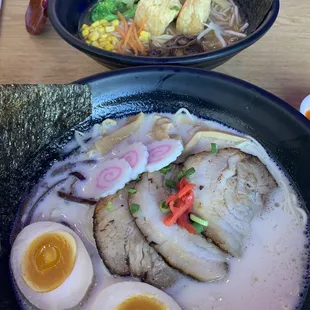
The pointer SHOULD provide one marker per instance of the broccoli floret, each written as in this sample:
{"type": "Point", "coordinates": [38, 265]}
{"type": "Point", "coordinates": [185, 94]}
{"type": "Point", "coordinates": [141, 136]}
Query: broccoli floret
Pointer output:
{"type": "Point", "coordinates": [131, 12]}
{"type": "Point", "coordinates": [108, 10]}
{"type": "Point", "coordinates": [127, 14]}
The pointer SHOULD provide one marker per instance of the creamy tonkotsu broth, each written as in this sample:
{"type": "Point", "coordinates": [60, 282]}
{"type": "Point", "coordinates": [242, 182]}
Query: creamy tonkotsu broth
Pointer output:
{"type": "Point", "coordinates": [263, 271]}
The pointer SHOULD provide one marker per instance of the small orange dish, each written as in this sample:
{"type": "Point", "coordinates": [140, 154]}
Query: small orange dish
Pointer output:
{"type": "Point", "coordinates": [305, 107]}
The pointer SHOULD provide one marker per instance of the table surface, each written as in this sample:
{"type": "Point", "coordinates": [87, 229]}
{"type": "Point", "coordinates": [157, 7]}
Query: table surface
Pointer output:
{"type": "Point", "coordinates": [279, 62]}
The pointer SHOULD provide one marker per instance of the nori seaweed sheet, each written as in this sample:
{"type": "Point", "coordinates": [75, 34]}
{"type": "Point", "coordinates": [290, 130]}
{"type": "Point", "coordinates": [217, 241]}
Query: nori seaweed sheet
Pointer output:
{"type": "Point", "coordinates": [33, 118]}
{"type": "Point", "coordinates": [254, 11]}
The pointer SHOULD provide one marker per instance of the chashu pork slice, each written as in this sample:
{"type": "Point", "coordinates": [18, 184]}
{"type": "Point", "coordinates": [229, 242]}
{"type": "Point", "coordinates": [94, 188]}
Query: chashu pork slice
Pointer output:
{"type": "Point", "coordinates": [191, 254]}
{"type": "Point", "coordinates": [230, 192]}
{"type": "Point", "coordinates": [123, 248]}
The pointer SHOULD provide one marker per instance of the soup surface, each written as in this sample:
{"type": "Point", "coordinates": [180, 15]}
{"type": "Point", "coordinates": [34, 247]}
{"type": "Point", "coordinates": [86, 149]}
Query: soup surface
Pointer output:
{"type": "Point", "coordinates": [258, 267]}
{"type": "Point", "coordinates": [162, 28]}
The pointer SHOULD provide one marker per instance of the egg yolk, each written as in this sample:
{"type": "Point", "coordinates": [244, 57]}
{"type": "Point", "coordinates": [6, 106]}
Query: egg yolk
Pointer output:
{"type": "Point", "coordinates": [142, 302]}
{"type": "Point", "coordinates": [48, 261]}
{"type": "Point", "coordinates": [307, 114]}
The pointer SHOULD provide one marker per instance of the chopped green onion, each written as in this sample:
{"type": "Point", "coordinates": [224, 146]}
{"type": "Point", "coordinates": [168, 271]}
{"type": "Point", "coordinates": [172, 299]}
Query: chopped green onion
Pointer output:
{"type": "Point", "coordinates": [109, 206]}
{"type": "Point", "coordinates": [134, 208]}
{"type": "Point", "coordinates": [198, 220]}
{"type": "Point", "coordinates": [198, 228]}
{"type": "Point", "coordinates": [139, 177]}
{"type": "Point", "coordinates": [132, 191]}
{"type": "Point", "coordinates": [189, 172]}
{"type": "Point", "coordinates": [180, 175]}
{"type": "Point", "coordinates": [176, 8]}
{"type": "Point", "coordinates": [170, 183]}
{"type": "Point", "coordinates": [186, 174]}
{"type": "Point", "coordinates": [166, 169]}
{"type": "Point", "coordinates": [214, 148]}
{"type": "Point", "coordinates": [164, 208]}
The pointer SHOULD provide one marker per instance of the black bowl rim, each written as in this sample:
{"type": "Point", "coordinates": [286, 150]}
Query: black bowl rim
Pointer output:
{"type": "Point", "coordinates": [210, 74]}
{"type": "Point", "coordinates": [222, 53]}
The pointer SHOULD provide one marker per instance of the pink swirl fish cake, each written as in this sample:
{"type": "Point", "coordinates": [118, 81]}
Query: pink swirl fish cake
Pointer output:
{"type": "Point", "coordinates": [162, 153]}
{"type": "Point", "coordinates": [105, 178]}
{"type": "Point", "coordinates": [136, 155]}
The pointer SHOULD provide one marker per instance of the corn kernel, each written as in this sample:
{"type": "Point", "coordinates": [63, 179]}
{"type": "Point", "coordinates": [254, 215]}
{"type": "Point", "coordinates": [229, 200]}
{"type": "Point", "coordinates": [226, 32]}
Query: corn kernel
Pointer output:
{"type": "Point", "coordinates": [109, 47]}
{"type": "Point", "coordinates": [91, 29]}
{"type": "Point", "coordinates": [103, 44]}
{"type": "Point", "coordinates": [144, 36]}
{"type": "Point", "coordinates": [103, 36]}
{"type": "Point", "coordinates": [101, 30]}
{"type": "Point", "coordinates": [103, 40]}
{"type": "Point", "coordinates": [115, 22]}
{"type": "Point", "coordinates": [114, 40]}
{"type": "Point", "coordinates": [104, 22]}
{"type": "Point", "coordinates": [144, 33]}
{"type": "Point", "coordinates": [95, 43]}
{"type": "Point", "coordinates": [84, 26]}
{"type": "Point", "coordinates": [95, 24]}
{"type": "Point", "coordinates": [110, 29]}
{"type": "Point", "coordinates": [88, 42]}
{"type": "Point", "coordinates": [85, 33]}
{"type": "Point", "coordinates": [111, 40]}
{"type": "Point", "coordinates": [93, 36]}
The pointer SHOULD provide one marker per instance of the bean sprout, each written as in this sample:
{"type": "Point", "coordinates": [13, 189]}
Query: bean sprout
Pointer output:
{"type": "Point", "coordinates": [244, 27]}
{"type": "Point", "coordinates": [234, 33]}
{"type": "Point", "coordinates": [183, 111]}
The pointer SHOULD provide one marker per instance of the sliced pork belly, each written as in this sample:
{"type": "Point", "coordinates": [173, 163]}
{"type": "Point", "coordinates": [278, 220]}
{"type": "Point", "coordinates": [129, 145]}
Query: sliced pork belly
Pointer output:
{"type": "Point", "coordinates": [230, 192]}
{"type": "Point", "coordinates": [122, 247]}
{"type": "Point", "coordinates": [189, 253]}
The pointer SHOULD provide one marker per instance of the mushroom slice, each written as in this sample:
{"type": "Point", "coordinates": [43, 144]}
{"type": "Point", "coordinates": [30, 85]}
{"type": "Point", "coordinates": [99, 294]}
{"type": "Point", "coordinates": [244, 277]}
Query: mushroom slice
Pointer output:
{"type": "Point", "coordinates": [161, 128]}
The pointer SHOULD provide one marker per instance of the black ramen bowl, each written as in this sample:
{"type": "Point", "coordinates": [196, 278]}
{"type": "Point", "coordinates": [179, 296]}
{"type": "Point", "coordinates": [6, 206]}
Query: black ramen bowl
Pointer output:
{"type": "Point", "coordinates": [65, 17]}
{"type": "Point", "coordinates": [283, 131]}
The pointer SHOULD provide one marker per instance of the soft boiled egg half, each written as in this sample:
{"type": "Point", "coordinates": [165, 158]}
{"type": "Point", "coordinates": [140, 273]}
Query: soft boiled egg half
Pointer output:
{"type": "Point", "coordinates": [133, 296]}
{"type": "Point", "coordinates": [51, 266]}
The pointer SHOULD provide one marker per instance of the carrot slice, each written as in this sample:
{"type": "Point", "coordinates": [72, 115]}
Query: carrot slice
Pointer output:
{"type": "Point", "coordinates": [128, 34]}
{"type": "Point", "coordinates": [141, 26]}
{"type": "Point", "coordinates": [120, 32]}
{"type": "Point", "coordinates": [136, 38]}
{"type": "Point", "coordinates": [122, 18]}
{"type": "Point", "coordinates": [119, 46]}
{"type": "Point", "coordinates": [133, 46]}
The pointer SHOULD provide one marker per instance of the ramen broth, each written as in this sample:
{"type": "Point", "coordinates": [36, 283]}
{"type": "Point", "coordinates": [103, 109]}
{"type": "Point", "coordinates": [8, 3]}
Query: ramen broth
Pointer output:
{"type": "Point", "coordinates": [144, 33]}
{"type": "Point", "coordinates": [269, 275]}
